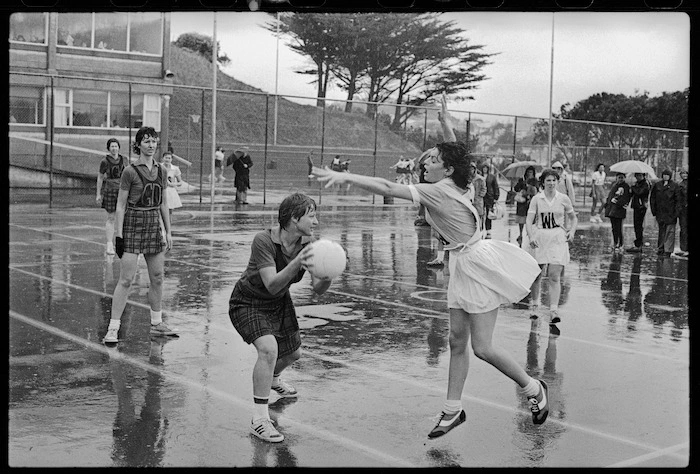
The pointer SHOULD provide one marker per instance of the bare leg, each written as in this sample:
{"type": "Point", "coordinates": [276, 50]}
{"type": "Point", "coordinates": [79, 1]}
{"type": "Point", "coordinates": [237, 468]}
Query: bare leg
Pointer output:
{"type": "Point", "coordinates": [127, 271]}
{"type": "Point", "coordinates": [481, 327]}
{"type": "Point", "coordinates": [155, 262]}
{"type": "Point", "coordinates": [284, 362]}
{"type": "Point", "coordinates": [459, 355]}
{"type": "Point", "coordinates": [535, 287]}
{"type": "Point", "coordinates": [109, 227]}
{"type": "Point", "coordinates": [555, 273]}
{"type": "Point", "coordinates": [265, 365]}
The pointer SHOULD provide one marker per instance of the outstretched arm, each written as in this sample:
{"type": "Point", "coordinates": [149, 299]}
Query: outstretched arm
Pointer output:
{"type": "Point", "coordinates": [444, 118]}
{"type": "Point", "coordinates": [370, 183]}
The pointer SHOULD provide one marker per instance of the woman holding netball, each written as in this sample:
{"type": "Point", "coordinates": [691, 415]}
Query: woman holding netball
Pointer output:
{"type": "Point", "coordinates": [483, 273]}
{"type": "Point", "coordinates": [141, 204]}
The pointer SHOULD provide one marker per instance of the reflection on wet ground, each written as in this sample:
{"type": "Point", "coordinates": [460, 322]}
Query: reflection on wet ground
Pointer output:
{"type": "Point", "coordinates": [374, 370]}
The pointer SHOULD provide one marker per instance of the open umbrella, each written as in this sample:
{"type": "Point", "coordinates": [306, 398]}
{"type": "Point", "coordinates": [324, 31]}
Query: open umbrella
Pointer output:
{"type": "Point", "coordinates": [633, 166]}
{"type": "Point", "coordinates": [517, 169]}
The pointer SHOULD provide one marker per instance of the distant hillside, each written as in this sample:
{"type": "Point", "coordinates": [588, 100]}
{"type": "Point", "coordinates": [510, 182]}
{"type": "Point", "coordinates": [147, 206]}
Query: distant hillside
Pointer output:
{"type": "Point", "coordinates": [241, 116]}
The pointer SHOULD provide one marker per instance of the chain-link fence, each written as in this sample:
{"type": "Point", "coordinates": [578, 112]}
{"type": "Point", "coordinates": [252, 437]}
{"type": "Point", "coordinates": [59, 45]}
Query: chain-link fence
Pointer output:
{"type": "Point", "coordinates": [281, 132]}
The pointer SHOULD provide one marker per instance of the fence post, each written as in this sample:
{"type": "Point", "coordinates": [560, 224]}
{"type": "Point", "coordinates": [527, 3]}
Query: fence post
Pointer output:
{"type": "Point", "coordinates": [585, 163]}
{"type": "Point", "coordinates": [469, 120]}
{"type": "Point", "coordinates": [267, 110]}
{"type": "Point", "coordinates": [376, 132]}
{"type": "Point", "coordinates": [201, 149]}
{"type": "Point", "coordinates": [515, 133]}
{"type": "Point", "coordinates": [51, 132]}
{"type": "Point", "coordinates": [130, 147]}
{"type": "Point", "coordinates": [425, 128]}
{"type": "Point", "coordinates": [323, 141]}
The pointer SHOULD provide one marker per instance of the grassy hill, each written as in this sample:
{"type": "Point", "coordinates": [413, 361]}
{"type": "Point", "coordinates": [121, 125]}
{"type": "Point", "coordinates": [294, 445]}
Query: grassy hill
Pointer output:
{"type": "Point", "coordinates": [241, 116]}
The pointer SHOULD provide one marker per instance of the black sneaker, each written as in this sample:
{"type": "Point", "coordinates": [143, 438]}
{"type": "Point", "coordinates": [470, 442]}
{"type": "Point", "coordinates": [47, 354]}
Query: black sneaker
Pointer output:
{"type": "Point", "coordinates": [634, 250]}
{"type": "Point", "coordinates": [540, 409]}
{"type": "Point", "coordinates": [441, 430]}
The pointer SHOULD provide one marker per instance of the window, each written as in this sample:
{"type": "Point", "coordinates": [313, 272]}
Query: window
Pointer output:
{"type": "Point", "coordinates": [145, 111]}
{"type": "Point", "coordinates": [140, 32]}
{"type": "Point", "coordinates": [62, 116]}
{"type": "Point", "coordinates": [27, 105]}
{"type": "Point", "coordinates": [28, 27]}
{"type": "Point", "coordinates": [90, 108]}
{"type": "Point", "coordinates": [119, 109]}
{"type": "Point", "coordinates": [145, 33]}
{"type": "Point", "coordinates": [111, 30]}
{"type": "Point", "coordinates": [75, 29]}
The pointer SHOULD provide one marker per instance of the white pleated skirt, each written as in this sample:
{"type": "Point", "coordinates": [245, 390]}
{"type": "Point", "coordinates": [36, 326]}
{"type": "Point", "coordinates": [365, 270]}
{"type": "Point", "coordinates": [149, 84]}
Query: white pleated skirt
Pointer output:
{"type": "Point", "coordinates": [489, 274]}
{"type": "Point", "coordinates": [173, 198]}
{"type": "Point", "coordinates": [552, 246]}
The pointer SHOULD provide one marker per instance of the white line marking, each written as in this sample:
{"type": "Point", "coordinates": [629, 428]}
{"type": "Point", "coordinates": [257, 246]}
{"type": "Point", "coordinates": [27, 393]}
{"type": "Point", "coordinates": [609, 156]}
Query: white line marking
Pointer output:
{"type": "Point", "coordinates": [670, 451]}
{"type": "Point", "coordinates": [314, 431]}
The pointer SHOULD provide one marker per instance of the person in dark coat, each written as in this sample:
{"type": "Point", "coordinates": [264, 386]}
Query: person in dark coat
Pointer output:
{"type": "Point", "coordinates": [615, 209]}
{"type": "Point", "coordinates": [241, 166]}
{"type": "Point", "coordinates": [663, 202]}
{"type": "Point", "coordinates": [640, 196]}
{"type": "Point", "coordinates": [683, 213]}
{"type": "Point", "coordinates": [492, 194]}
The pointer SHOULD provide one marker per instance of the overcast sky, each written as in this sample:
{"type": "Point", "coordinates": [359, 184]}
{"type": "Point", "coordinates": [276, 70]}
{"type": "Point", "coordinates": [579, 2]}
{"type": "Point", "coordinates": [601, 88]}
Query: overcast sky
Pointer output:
{"type": "Point", "coordinates": [623, 53]}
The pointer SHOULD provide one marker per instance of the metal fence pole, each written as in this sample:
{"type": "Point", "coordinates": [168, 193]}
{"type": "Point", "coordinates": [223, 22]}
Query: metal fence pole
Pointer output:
{"type": "Point", "coordinates": [425, 128]}
{"type": "Point", "coordinates": [267, 119]}
{"type": "Point", "coordinates": [376, 132]}
{"type": "Point", "coordinates": [469, 121]}
{"type": "Point", "coordinates": [130, 125]}
{"type": "Point", "coordinates": [323, 142]}
{"type": "Point", "coordinates": [201, 150]}
{"type": "Point", "coordinates": [585, 164]}
{"type": "Point", "coordinates": [515, 134]}
{"type": "Point", "coordinates": [51, 137]}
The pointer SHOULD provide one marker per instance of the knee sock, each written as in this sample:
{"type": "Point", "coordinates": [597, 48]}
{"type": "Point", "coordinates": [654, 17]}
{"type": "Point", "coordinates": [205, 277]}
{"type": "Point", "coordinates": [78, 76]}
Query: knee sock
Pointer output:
{"type": "Point", "coordinates": [261, 410]}
{"type": "Point", "coordinates": [156, 317]}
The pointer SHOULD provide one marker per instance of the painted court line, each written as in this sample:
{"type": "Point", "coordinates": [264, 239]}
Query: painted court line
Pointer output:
{"type": "Point", "coordinates": [671, 450]}
{"type": "Point", "coordinates": [360, 368]}
{"type": "Point", "coordinates": [314, 431]}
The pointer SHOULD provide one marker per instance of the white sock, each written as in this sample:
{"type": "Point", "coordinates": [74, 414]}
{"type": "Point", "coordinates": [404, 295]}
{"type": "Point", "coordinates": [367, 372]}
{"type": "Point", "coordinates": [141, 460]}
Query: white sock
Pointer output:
{"type": "Point", "coordinates": [156, 317]}
{"type": "Point", "coordinates": [275, 379]}
{"type": "Point", "coordinates": [532, 389]}
{"type": "Point", "coordinates": [440, 255]}
{"type": "Point", "coordinates": [554, 307]}
{"type": "Point", "coordinates": [452, 407]}
{"type": "Point", "coordinates": [114, 324]}
{"type": "Point", "coordinates": [261, 410]}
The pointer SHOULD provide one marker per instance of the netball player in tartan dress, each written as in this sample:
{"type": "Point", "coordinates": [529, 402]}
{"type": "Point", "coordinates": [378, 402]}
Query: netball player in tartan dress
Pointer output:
{"type": "Point", "coordinates": [483, 273]}
{"type": "Point", "coordinates": [261, 308]}
{"type": "Point", "coordinates": [141, 205]}
{"type": "Point", "coordinates": [108, 179]}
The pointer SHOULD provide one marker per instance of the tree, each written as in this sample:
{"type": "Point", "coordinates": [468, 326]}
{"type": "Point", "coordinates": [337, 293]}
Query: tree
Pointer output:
{"type": "Point", "coordinates": [203, 45]}
{"type": "Point", "coordinates": [386, 55]}
{"type": "Point", "coordinates": [669, 110]}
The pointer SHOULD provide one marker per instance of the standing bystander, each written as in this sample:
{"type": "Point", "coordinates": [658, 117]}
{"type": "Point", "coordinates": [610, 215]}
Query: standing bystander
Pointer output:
{"type": "Point", "coordinates": [663, 201]}
{"type": "Point", "coordinates": [640, 197]}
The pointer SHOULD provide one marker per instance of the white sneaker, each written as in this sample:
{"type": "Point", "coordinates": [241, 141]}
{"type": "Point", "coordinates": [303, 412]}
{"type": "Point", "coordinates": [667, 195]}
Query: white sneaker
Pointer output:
{"type": "Point", "coordinates": [110, 248]}
{"type": "Point", "coordinates": [263, 429]}
{"type": "Point", "coordinates": [284, 390]}
{"type": "Point", "coordinates": [111, 336]}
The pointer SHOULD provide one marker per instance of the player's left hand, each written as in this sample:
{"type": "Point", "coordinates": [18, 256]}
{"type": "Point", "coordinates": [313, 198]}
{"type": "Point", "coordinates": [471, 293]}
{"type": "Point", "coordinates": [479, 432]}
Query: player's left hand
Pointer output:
{"type": "Point", "coordinates": [570, 235]}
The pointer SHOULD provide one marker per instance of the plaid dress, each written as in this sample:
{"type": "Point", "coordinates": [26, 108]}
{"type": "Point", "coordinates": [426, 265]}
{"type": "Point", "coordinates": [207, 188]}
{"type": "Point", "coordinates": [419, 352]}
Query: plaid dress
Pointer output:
{"type": "Point", "coordinates": [141, 228]}
{"type": "Point", "coordinates": [110, 184]}
{"type": "Point", "coordinates": [254, 317]}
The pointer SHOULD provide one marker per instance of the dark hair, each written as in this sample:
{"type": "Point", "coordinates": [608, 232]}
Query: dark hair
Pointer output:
{"type": "Point", "coordinates": [548, 172]}
{"type": "Point", "coordinates": [141, 134]}
{"type": "Point", "coordinates": [294, 206]}
{"type": "Point", "coordinates": [530, 168]}
{"type": "Point", "coordinates": [599, 165]}
{"type": "Point", "coordinates": [667, 171]}
{"type": "Point", "coordinates": [113, 140]}
{"type": "Point", "coordinates": [620, 174]}
{"type": "Point", "coordinates": [455, 154]}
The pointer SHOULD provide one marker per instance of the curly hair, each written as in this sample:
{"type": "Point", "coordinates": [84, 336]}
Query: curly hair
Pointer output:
{"type": "Point", "coordinates": [144, 132]}
{"type": "Point", "coordinates": [455, 154]}
{"type": "Point", "coordinates": [294, 206]}
{"type": "Point", "coordinates": [548, 172]}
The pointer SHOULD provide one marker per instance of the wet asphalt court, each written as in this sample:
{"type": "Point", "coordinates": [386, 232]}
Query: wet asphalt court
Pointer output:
{"type": "Point", "coordinates": [373, 374]}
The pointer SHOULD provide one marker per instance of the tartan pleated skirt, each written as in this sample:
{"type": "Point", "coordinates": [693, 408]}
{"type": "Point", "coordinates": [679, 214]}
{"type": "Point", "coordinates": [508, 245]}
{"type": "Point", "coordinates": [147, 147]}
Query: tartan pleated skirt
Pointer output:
{"type": "Point", "coordinates": [109, 197]}
{"type": "Point", "coordinates": [254, 317]}
{"type": "Point", "coordinates": [141, 231]}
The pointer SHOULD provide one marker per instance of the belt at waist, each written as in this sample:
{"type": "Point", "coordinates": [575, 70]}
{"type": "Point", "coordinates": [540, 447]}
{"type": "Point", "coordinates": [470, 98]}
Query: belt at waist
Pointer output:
{"type": "Point", "coordinates": [133, 208]}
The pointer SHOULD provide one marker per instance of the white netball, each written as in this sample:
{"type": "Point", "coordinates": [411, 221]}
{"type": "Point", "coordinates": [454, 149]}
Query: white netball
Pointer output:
{"type": "Point", "coordinates": [328, 258]}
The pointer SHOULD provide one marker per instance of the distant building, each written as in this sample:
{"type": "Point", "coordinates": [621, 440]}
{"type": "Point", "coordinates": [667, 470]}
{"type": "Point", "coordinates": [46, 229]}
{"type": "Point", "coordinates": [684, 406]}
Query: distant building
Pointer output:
{"type": "Point", "coordinates": [109, 73]}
